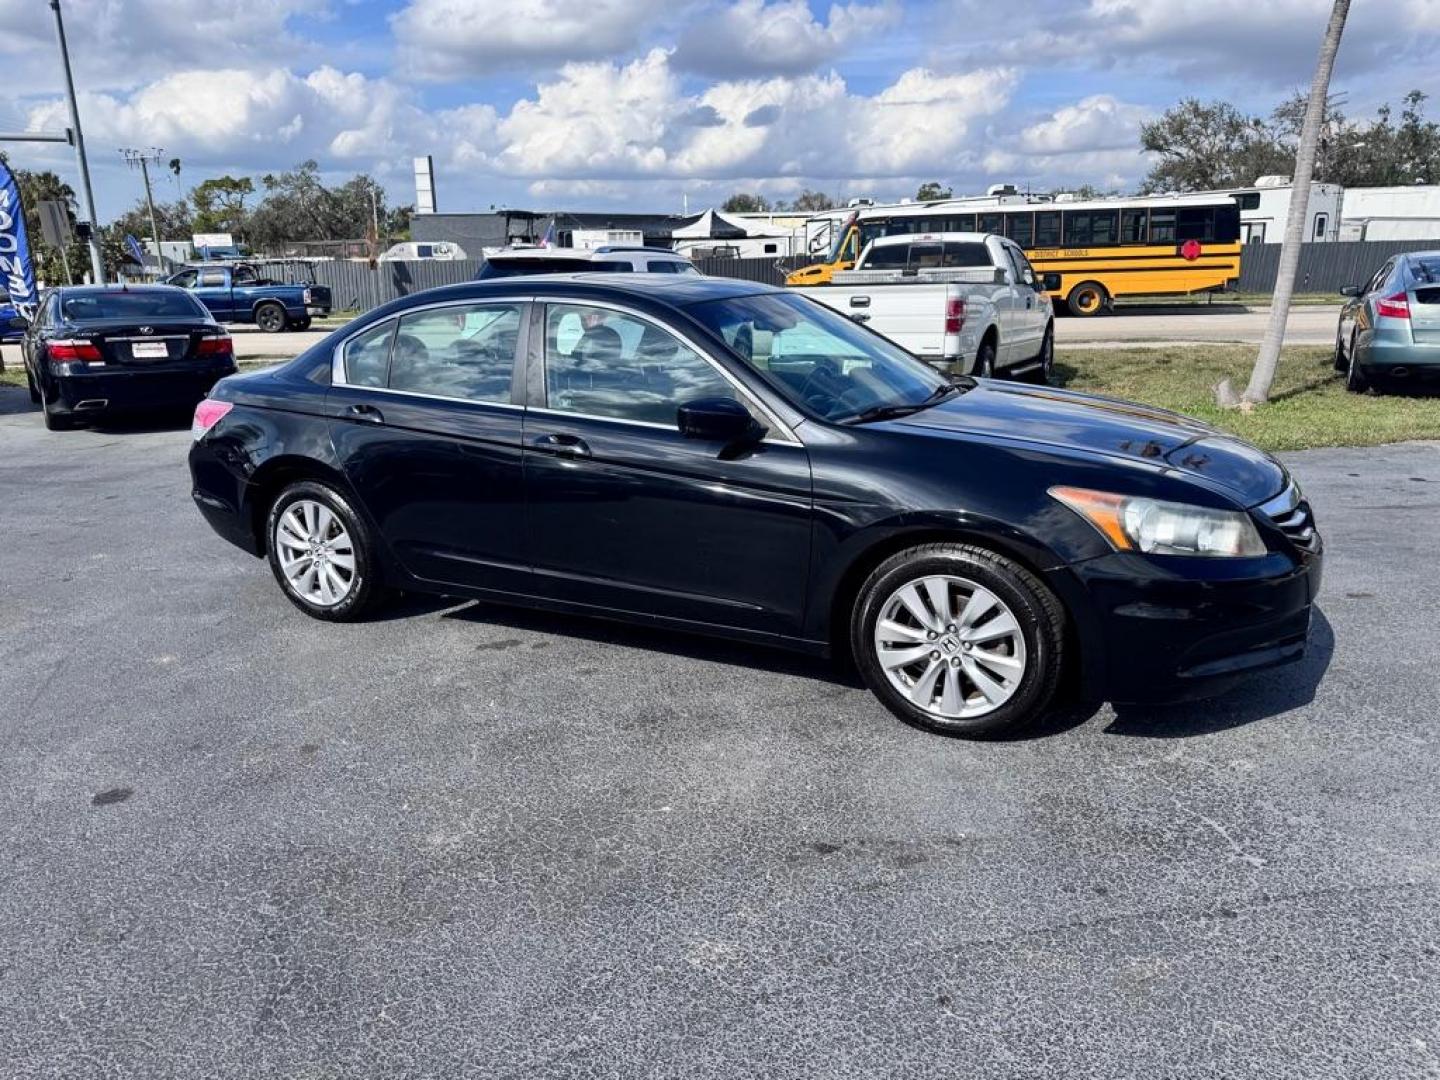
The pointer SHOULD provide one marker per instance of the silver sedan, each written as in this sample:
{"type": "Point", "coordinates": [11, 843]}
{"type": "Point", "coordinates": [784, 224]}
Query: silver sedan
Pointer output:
{"type": "Point", "coordinates": [1389, 333]}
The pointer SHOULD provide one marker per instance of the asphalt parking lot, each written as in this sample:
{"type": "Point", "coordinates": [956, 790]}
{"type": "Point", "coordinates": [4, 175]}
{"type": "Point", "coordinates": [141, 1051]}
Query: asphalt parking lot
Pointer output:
{"type": "Point", "coordinates": [466, 841]}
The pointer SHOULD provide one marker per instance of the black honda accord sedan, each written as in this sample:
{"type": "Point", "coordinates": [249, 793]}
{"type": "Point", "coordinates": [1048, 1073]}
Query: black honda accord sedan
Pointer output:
{"type": "Point", "coordinates": [732, 459]}
{"type": "Point", "coordinates": [94, 351]}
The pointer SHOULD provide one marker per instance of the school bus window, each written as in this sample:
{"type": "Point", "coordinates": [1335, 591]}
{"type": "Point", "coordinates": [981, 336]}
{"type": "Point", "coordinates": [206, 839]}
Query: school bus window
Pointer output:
{"type": "Point", "coordinates": [1132, 226]}
{"type": "Point", "coordinates": [1020, 228]}
{"type": "Point", "coordinates": [992, 223]}
{"type": "Point", "coordinates": [1227, 224]}
{"type": "Point", "coordinates": [1047, 228]}
{"type": "Point", "coordinates": [1162, 226]}
{"type": "Point", "coordinates": [1196, 223]}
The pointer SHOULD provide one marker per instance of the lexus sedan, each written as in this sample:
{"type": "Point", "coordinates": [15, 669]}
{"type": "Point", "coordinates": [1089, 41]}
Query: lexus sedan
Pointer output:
{"type": "Point", "coordinates": [1389, 332]}
{"type": "Point", "coordinates": [95, 351]}
{"type": "Point", "coordinates": [727, 458]}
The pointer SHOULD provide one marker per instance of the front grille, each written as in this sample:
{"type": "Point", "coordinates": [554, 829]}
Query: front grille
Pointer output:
{"type": "Point", "coordinates": [1290, 513]}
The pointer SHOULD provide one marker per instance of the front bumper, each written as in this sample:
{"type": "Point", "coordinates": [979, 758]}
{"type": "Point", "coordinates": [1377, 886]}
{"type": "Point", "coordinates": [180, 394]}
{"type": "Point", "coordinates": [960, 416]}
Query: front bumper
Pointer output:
{"type": "Point", "coordinates": [135, 391]}
{"type": "Point", "coordinates": [1172, 628]}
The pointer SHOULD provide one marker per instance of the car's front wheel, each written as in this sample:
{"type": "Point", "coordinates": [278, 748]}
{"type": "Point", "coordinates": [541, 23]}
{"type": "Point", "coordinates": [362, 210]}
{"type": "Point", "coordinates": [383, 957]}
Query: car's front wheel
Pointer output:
{"type": "Point", "coordinates": [321, 553]}
{"type": "Point", "coordinates": [958, 639]}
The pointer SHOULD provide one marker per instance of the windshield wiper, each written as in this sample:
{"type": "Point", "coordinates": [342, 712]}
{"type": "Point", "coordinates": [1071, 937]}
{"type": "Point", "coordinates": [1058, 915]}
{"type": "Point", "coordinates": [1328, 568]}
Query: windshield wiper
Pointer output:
{"type": "Point", "coordinates": [891, 412]}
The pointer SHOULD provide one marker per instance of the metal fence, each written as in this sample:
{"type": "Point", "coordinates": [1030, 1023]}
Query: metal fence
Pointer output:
{"type": "Point", "coordinates": [1324, 268]}
{"type": "Point", "coordinates": [356, 286]}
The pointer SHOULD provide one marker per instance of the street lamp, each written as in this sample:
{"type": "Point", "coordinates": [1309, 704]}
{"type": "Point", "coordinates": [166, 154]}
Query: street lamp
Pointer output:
{"type": "Point", "coordinates": [97, 265]}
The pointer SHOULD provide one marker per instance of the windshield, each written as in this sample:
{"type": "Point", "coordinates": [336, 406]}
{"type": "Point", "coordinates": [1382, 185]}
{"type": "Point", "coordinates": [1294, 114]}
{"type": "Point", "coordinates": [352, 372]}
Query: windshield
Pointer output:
{"type": "Point", "coordinates": [131, 305]}
{"type": "Point", "coordinates": [817, 358]}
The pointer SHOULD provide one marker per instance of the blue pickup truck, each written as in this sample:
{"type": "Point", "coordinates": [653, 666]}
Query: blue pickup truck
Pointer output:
{"type": "Point", "coordinates": [8, 333]}
{"type": "Point", "coordinates": [237, 293]}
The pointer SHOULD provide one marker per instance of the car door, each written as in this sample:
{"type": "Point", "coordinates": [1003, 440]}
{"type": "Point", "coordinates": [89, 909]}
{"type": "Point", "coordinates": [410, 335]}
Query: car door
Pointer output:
{"type": "Point", "coordinates": [212, 288]}
{"type": "Point", "coordinates": [1030, 311]}
{"type": "Point", "coordinates": [426, 426]}
{"type": "Point", "coordinates": [1008, 314]}
{"type": "Point", "coordinates": [626, 514]}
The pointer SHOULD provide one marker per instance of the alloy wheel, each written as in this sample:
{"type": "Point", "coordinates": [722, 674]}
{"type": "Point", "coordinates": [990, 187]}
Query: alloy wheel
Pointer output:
{"type": "Point", "coordinates": [952, 647]}
{"type": "Point", "coordinates": [316, 553]}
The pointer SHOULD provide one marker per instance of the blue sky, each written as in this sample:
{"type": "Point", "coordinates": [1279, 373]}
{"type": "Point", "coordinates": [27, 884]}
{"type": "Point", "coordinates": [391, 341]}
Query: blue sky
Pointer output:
{"type": "Point", "coordinates": [644, 104]}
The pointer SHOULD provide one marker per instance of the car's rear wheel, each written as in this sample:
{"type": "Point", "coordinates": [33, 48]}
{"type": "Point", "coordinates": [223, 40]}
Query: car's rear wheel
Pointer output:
{"type": "Point", "coordinates": [271, 318]}
{"type": "Point", "coordinates": [54, 420]}
{"type": "Point", "coordinates": [30, 384]}
{"type": "Point", "coordinates": [1088, 298]}
{"type": "Point", "coordinates": [321, 553]}
{"type": "Point", "coordinates": [958, 639]}
{"type": "Point", "coordinates": [301, 324]}
{"type": "Point", "coordinates": [1355, 379]}
{"type": "Point", "coordinates": [985, 360]}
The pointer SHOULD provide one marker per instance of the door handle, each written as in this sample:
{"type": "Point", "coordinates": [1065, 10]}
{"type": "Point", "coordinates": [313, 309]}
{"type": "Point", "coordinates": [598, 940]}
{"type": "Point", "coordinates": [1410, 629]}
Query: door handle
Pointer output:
{"type": "Point", "coordinates": [565, 445]}
{"type": "Point", "coordinates": [859, 316]}
{"type": "Point", "coordinates": [859, 301]}
{"type": "Point", "coordinates": [368, 413]}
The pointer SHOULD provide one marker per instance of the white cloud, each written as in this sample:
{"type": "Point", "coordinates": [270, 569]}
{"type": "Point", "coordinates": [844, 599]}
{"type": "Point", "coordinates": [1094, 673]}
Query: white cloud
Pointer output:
{"type": "Point", "coordinates": [775, 37]}
{"type": "Point", "coordinates": [124, 43]}
{"type": "Point", "coordinates": [1094, 141]}
{"type": "Point", "coordinates": [457, 39]}
{"type": "Point", "coordinates": [1098, 122]}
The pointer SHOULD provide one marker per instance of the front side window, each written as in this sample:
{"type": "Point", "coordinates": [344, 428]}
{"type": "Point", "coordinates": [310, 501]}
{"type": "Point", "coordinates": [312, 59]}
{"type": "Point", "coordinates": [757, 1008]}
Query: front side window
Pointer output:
{"type": "Point", "coordinates": [185, 279]}
{"type": "Point", "coordinates": [367, 355]}
{"type": "Point", "coordinates": [817, 358]}
{"type": "Point", "coordinates": [463, 351]}
{"type": "Point", "coordinates": [600, 362]}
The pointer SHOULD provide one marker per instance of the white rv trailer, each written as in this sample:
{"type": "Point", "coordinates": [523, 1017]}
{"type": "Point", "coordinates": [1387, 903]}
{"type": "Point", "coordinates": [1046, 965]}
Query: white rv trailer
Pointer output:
{"type": "Point", "coordinates": [1391, 213]}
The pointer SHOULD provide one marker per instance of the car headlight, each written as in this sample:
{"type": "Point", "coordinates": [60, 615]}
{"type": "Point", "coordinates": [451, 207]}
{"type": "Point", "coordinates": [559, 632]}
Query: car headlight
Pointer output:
{"type": "Point", "coordinates": [1155, 527]}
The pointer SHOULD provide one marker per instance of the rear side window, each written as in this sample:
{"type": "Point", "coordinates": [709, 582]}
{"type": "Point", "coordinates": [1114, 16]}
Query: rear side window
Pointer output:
{"type": "Point", "coordinates": [212, 278]}
{"type": "Point", "coordinates": [367, 355]}
{"type": "Point", "coordinates": [499, 268]}
{"type": "Point", "coordinates": [666, 266]}
{"type": "Point", "coordinates": [463, 351]}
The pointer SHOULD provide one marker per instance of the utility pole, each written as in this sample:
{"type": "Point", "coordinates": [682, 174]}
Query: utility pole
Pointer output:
{"type": "Point", "coordinates": [143, 158]}
{"type": "Point", "coordinates": [97, 265]}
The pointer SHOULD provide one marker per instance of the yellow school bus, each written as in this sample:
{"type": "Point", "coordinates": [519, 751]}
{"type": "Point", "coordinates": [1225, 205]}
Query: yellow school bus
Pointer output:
{"type": "Point", "coordinates": [1101, 249]}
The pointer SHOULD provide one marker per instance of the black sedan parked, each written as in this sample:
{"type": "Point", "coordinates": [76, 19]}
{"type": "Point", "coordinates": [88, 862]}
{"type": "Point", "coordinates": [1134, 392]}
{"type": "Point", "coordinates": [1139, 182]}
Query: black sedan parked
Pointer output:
{"type": "Point", "coordinates": [93, 351]}
{"type": "Point", "coordinates": [722, 457]}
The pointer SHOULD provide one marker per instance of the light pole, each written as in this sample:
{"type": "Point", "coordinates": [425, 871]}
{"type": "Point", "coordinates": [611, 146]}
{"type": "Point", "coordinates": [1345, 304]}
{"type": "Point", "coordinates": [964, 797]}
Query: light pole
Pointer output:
{"type": "Point", "coordinates": [97, 265]}
{"type": "Point", "coordinates": [143, 158]}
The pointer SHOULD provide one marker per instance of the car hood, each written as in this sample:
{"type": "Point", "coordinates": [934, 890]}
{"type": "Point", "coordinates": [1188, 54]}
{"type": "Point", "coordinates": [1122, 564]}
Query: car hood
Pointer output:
{"type": "Point", "coordinates": [1108, 426]}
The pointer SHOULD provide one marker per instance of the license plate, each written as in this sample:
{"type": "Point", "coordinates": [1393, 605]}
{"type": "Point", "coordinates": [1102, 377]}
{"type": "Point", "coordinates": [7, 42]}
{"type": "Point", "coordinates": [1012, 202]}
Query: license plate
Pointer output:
{"type": "Point", "coordinates": [149, 350]}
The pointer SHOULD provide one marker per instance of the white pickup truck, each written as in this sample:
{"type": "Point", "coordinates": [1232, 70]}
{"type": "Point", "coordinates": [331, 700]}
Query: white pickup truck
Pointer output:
{"type": "Point", "coordinates": [968, 303]}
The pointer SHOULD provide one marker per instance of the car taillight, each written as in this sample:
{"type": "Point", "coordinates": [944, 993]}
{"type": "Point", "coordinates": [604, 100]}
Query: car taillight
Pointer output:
{"type": "Point", "coordinates": [207, 414]}
{"type": "Point", "coordinates": [1394, 307]}
{"type": "Point", "coordinates": [954, 315]}
{"type": "Point", "coordinates": [216, 345]}
{"type": "Point", "coordinates": [307, 296]}
{"type": "Point", "coordinates": [73, 349]}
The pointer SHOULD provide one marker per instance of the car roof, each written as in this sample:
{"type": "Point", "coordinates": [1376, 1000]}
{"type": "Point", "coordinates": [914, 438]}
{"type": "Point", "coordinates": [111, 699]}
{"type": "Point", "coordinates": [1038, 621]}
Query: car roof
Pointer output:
{"type": "Point", "coordinates": [675, 290]}
{"type": "Point", "coordinates": [100, 290]}
{"type": "Point", "coordinates": [541, 254]}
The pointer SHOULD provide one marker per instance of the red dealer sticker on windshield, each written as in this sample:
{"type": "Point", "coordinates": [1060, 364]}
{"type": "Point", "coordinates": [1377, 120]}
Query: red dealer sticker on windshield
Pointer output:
{"type": "Point", "coordinates": [1190, 250]}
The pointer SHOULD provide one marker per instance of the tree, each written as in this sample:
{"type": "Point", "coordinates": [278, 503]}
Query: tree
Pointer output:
{"type": "Point", "coordinates": [743, 202]}
{"type": "Point", "coordinates": [220, 204]}
{"type": "Point", "coordinates": [931, 191]}
{"type": "Point", "coordinates": [1258, 392]}
{"type": "Point", "coordinates": [172, 219]}
{"type": "Point", "coordinates": [46, 186]}
{"type": "Point", "coordinates": [1204, 146]}
{"type": "Point", "coordinates": [812, 202]}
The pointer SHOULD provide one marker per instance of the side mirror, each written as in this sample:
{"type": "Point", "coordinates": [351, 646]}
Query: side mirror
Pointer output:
{"type": "Point", "coordinates": [1350, 290]}
{"type": "Point", "coordinates": [716, 419]}
{"type": "Point", "coordinates": [1050, 282]}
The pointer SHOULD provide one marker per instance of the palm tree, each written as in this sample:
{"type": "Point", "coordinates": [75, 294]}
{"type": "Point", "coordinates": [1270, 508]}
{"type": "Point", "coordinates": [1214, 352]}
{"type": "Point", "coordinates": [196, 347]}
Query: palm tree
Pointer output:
{"type": "Point", "coordinates": [1258, 391]}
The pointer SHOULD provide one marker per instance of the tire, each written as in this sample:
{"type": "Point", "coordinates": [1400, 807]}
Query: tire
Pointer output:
{"type": "Point", "coordinates": [54, 421]}
{"type": "Point", "coordinates": [300, 325]}
{"type": "Point", "coordinates": [984, 366]}
{"type": "Point", "coordinates": [270, 317]}
{"type": "Point", "coordinates": [949, 675]}
{"type": "Point", "coordinates": [1045, 373]}
{"type": "Point", "coordinates": [1355, 380]}
{"type": "Point", "coordinates": [1087, 299]}
{"type": "Point", "coordinates": [30, 385]}
{"type": "Point", "coordinates": [1340, 362]}
{"type": "Point", "coordinates": [298, 516]}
